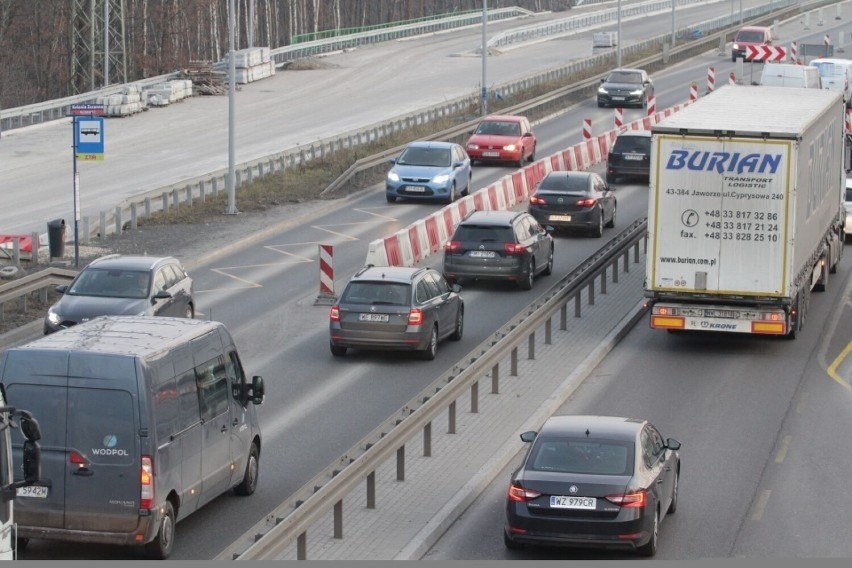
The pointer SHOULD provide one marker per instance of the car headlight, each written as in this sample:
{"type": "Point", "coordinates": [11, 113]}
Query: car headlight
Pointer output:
{"type": "Point", "coordinates": [601, 91]}
{"type": "Point", "coordinates": [393, 176]}
{"type": "Point", "coordinates": [510, 148]}
{"type": "Point", "coordinates": [473, 146]}
{"type": "Point", "coordinates": [441, 178]}
{"type": "Point", "coordinates": [735, 46]}
{"type": "Point", "coordinates": [53, 317]}
{"type": "Point", "coordinates": [636, 92]}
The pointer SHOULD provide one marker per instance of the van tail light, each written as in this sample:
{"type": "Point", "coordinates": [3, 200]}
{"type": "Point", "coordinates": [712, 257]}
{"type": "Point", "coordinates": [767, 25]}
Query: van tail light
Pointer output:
{"type": "Point", "coordinates": [634, 499]}
{"type": "Point", "coordinates": [334, 314]}
{"type": "Point", "coordinates": [536, 200]}
{"type": "Point", "coordinates": [77, 458]}
{"type": "Point", "coordinates": [518, 494]}
{"type": "Point", "coordinates": [514, 249]}
{"type": "Point", "coordinates": [453, 247]}
{"type": "Point", "coordinates": [587, 202]}
{"type": "Point", "coordinates": [146, 478]}
{"type": "Point", "coordinates": [415, 317]}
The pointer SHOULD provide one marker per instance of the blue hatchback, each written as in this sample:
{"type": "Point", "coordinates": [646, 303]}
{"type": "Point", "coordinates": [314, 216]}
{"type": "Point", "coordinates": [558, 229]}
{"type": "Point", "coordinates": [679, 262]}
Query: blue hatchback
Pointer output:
{"type": "Point", "coordinates": [429, 170]}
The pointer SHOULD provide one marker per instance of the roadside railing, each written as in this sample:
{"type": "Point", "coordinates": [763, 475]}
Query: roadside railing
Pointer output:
{"type": "Point", "coordinates": [20, 288]}
{"type": "Point", "coordinates": [392, 439]}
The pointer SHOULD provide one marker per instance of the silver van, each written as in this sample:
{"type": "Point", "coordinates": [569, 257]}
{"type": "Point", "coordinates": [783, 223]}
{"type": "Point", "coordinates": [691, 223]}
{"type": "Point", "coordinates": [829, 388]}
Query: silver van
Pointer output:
{"type": "Point", "coordinates": [144, 420]}
{"type": "Point", "coordinates": [790, 75]}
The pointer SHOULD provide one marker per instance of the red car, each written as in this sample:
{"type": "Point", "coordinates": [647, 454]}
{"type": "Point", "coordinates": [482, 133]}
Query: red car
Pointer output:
{"type": "Point", "coordinates": [502, 138]}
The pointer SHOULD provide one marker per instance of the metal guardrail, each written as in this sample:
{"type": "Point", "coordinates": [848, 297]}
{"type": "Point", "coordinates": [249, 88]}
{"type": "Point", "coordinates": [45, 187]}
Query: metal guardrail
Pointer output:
{"type": "Point", "coordinates": [326, 491]}
{"type": "Point", "coordinates": [19, 288]}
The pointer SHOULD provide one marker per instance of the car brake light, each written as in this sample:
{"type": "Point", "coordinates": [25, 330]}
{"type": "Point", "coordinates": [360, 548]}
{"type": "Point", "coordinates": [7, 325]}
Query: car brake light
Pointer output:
{"type": "Point", "coordinates": [634, 499]}
{"type": "Point", "coordinates": [587, 202]}
{"type": "Point", "coordinates": [415, 317]}
{"type": "Point", "coordinates": [536, 200]}
{"type": "Point", "coordinates": [514, 249]}
{"type": "Point", "coordinates": [146, 478]}
{"type": "Point", "coordinates": [453, 247]}
{"type": "Point", "coordinates": [334, 314]}
{"type": "Point", "coordinates": [520, 495]}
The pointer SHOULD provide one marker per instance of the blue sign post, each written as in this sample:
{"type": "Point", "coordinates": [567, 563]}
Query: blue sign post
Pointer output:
{"type": "Point", "coordinates": [88, 146]}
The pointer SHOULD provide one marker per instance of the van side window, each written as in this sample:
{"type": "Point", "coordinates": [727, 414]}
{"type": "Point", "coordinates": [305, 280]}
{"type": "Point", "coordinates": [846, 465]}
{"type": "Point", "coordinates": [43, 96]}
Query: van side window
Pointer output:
{"type": "Point", "coordinates": [235, 373]}
{"type": "Point", "coordinates": [212, 388]}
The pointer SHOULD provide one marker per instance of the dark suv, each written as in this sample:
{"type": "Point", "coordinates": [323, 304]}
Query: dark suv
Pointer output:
{"type": "Point", "coordinates": [116, 285]}
{"type": "Point", "coordinates": [397, 308]}
{"type": "Point", "coordinates": [499, 245]}
{"type": "Point", "coordinates": [630, 155]}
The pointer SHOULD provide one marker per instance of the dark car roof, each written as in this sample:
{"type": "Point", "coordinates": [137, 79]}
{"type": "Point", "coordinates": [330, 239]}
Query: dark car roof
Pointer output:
{"type": "Point", "coordinates": [402, 274]}
{"type": "Point", "coordinates": [566, 182]}
{"type": "Point", "coordinates": [129, 262]}
{"type": "Point", "coordinates": [497, 218]}
{"type": "Point", "coordinates": [610, 427]}
{"type": "Point", "coordinates": [642, 133]}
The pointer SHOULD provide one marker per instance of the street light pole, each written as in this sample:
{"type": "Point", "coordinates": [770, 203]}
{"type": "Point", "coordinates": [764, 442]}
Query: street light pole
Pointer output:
{"type": "Point", "coordinates": [232, 79]}
{"type": "Point", "coordinates": [484, 95]}
{"type": "Point", "coordinates": [618, 36]}
{"type": "Point", "coordinates": [673, 22]}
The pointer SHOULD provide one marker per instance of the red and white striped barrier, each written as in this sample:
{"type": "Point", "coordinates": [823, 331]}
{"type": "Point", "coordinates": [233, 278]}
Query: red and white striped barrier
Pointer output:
{"type": "Point", "coordinates": [732, 79]}
{"type": "Point", "coordinates": [794, 52]}
{"type": "Point", "coordinates": [619, 117]}
{"type": "Point", "coordinates": [693, 92]}
{"type": "Point", "coordinates": [711, 78]}
{"type": "Point", "coordinates": [652, 105]}
{"type": "Point", "coordinates": [326, 274]}
{"type": "Point", "coordinates": [587, 129]}
{"type": "Point", "coordinates": [422, 238]}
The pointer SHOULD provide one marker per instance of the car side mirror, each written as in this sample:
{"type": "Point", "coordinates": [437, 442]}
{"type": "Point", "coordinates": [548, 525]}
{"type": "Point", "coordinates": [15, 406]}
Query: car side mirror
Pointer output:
{"type": "Point", "coordinates": [392, 160]}
{"type": "Point", "coordinates": [257, 390]}
{"type": "Point", "coordinates": [549, 229]}
{"type": "Point", "coordinates": [603, 80]}
{"type": "Point", "coordinates": [528, 436]}
{"type": "Point", "coordinates": [162, 295]}
{"type": "Point", "coordinates": [457, 164]}
{"type": "Point", "coordinates": [455, 288]}
{"type": "Point", "coordinates": [32, 462]}
{"type": "Point", "coordinates": [62, 288]}
{"type": "Point", "coordinates": [672, 444]}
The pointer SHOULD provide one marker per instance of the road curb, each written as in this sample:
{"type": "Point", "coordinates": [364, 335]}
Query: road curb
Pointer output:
{"type": "Point", "coordinates": [447, 515]}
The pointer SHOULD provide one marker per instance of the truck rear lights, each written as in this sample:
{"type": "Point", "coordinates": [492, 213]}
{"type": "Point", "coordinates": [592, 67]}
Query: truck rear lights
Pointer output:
{"type": "Point", "coordinates": [667, 322]}
{"type": "Point", "coordinates": [146, 478]}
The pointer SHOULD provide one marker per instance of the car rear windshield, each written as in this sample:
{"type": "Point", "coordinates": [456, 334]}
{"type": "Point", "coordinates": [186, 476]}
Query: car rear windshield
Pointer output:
{"type": "Point", "coordinates": [598, 457]}
{"type": "Point", "coordinates": [436, 157]}
{"type": "Point", "coordinates": [638, 144]}
{"type": "Point", "coordinates": [829, 69]}
{"type": "Point", "coordinates": [499, 128]}
{"type": "Point", "coordinates": [378, 293]}
{"type": "Point", "coordinates": [750, 36]}
{"type": "Point", "coordinates": [565, 184]}
{"type": "Point", "coordinates": [111, 283]}
{"type": "Point", "coordinates": [624, 77]}
{"type": "Point", "coordinates": [484, 234]}
{"type": "Point", "coordinates": [849, 194]}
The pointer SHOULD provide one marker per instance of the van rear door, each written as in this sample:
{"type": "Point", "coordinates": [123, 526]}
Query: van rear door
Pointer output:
{"type": "Point", "coordinates": [102, 484]}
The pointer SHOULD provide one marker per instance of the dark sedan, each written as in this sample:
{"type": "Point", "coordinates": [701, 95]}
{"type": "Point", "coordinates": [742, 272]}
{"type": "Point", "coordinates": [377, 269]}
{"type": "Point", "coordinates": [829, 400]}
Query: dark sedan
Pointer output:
{"type": "Point", "coordinates": [629, 156]}
{"type": "Point", "coordinates": [625, 87]}
{"type": "Point", "coordinates": [593, 481]}
{"type": "Point", "coordinates": [574, 200]}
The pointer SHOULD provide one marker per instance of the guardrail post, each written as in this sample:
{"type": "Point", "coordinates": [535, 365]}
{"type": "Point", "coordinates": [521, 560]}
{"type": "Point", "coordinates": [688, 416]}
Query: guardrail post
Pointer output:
{"type": "Point", "coordinates": [165, 202]}
{"type": "Point", "coordinates": [547, 333]}
{"type": "Point", "coordinates": [400, 463]}
{"type": "Point", "coordinates": [302, 546]}
{"type": "Point", "coordinates": [495, 379]}
{"type": "Point", "coordinates": [103, 224]}
{"type": "Point", "coordinates": [189, 195]}
{"type": "Point", "coordinates": [202, 192]}
{"type": "Point", "coordinates": [513, 371]}
{"type": "Point", "coordinates": [215, 186]}
{"type": "Point", "coordinates": [626, 262]}
{"type": "Point", "coordinates": [603, 280]}
{"type": "Point", "coordinates": [451, 418]}
{"type": "Point", "coordinates": [577, 305]}
{"type": "Point", "coordinates": [615, 271]}
{"type": "Point", "coordinates": [531, 346]}
{"type": "Point", "coordinates": [175, 199]}
{"type": "Point", "coordinates": [338, 519]}
{"type": "Point", "coordinates": [371, 490]}
{"type": "Point", "coordinates": [35, 244]}
{"type": "Point", "coordinates": [592, 292]}
{"type": "Point", "coordinates": [132, 216]}
{"type": "Point", "coordinates": [118, 220]}
{"type": "Point", "coordinates": [563, 316]}
{"type": "Point", "coordinates": [474, 397]}
{"type": "Point", "coordinates": [636, 251]}
{"type": "Point", "coordinates": [427, 440]}
{"type": "Point", "coordinates": [147, 207]}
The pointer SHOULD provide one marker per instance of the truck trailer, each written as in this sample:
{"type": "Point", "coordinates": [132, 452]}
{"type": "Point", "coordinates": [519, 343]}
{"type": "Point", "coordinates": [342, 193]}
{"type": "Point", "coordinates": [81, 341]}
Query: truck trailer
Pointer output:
{"type": "Point", "coordinates": [745, 212]}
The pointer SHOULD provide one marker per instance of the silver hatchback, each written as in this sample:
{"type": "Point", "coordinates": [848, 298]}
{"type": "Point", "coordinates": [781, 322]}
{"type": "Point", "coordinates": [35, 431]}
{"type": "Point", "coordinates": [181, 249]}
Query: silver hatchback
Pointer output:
{"type": "Point", "coordinates": [396, 308]}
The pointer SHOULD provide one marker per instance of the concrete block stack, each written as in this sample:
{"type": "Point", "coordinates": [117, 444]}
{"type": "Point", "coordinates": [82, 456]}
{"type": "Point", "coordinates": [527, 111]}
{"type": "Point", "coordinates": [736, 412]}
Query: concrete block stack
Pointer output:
{"type": "Point", "coordinates": [128, 102]}
{"type": "Point", "coordinates": [164, 94]}
{"type": "Point", "coordinates": [251, 64]}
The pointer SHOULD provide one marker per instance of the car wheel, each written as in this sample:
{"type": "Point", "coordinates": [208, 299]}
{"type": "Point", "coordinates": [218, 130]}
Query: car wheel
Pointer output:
{"type": "Point", "coordinates": [673, 505]}
{"type": "Point", "coordinates": [532, 155]}
{"type": "Point", "coordinates": [600, 104]}
{"type": "Point", "coordinates": [520, 162]}
{"type": "Point", "coordinates": [597, 232]}
{"type": "Point", "coordinates": [21, 544]}
{"type": "Point", "coordinates": [548, 270]}
{"type": "Point", "coordinates": [249, 482]}
{"type": "Point", "coordinates": [161, 547]}
{"type": "Point", "coordinates": [612, 219]}
{"type": "Point", "coordinates": [452, 196]}
{"type": "Point", "coordinates": [527, 283]}
{"type": "Point", "coordinates": [511, 544]}
{"type": "Point", "coordinates": [650, 549]}
{"type": "Point", "coordinates": [432, 347]}
{"type": "Point", "coordinates": [467, 187]}
{"type": "Point", "coordinates": [189, 313]}
{"type": "Point", "coordinates": [457, 334]}
{"type": "Point", "coordinates": [337, 350]}
{"type": "Point", "coordinates": [611, 177]}
{"type": "Point", "coordinates": [390, 198]}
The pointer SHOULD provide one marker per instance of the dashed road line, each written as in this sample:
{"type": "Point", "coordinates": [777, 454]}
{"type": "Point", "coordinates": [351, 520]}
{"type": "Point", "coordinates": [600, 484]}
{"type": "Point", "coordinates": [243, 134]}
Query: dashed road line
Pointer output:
{"type": "Point", "coordinates": [782, 450]}
{"type": "Point", "coordinates": [760, 506]}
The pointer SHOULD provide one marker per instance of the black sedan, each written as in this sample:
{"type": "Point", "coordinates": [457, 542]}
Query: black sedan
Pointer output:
{"type": "Point", "coordinates": [625, 87]}
{"type": "Point", "coordinates": [574, 200]}
{"type": "Point", "coordinates": [593, 481]}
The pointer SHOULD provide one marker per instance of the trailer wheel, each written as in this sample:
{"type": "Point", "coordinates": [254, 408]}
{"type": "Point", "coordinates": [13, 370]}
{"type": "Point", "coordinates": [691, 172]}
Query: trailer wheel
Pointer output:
{"type": "Point", "coordinates": [822, 283]}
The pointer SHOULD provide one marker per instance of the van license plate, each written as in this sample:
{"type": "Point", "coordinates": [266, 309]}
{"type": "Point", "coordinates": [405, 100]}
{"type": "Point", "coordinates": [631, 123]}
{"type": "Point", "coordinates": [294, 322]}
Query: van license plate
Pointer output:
{"type": "Point", "coordinates": [39, 491]}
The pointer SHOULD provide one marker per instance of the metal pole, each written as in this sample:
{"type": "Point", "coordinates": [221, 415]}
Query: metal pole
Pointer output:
{"type": "Point", "coordinates": [484, 106]}
{"type": "Point", "coordinates": [618, 34]}
{"type": "Point", "coordinates": [250, 25]}
{"type": "Point", "coordinates": [673, 22]}
{"type": "Point", "coordinates": [74, 195]}
{"type": "Point", "coordinates": [741, 12]}
{"type": "Point", "coordinates": [106, 43]}
{"type": "Point", "coordinates": [232, 79]}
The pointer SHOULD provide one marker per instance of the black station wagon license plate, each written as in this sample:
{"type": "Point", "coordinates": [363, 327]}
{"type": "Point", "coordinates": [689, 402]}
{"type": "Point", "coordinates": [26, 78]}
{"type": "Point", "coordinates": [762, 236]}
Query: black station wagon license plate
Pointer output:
{"type": "Point", "coordinates": [381, 318]}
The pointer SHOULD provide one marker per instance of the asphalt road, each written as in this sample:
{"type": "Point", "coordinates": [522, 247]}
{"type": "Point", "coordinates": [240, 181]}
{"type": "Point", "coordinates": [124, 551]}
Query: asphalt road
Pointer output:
{"type": "Point", "coordinates": [316, 406]}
